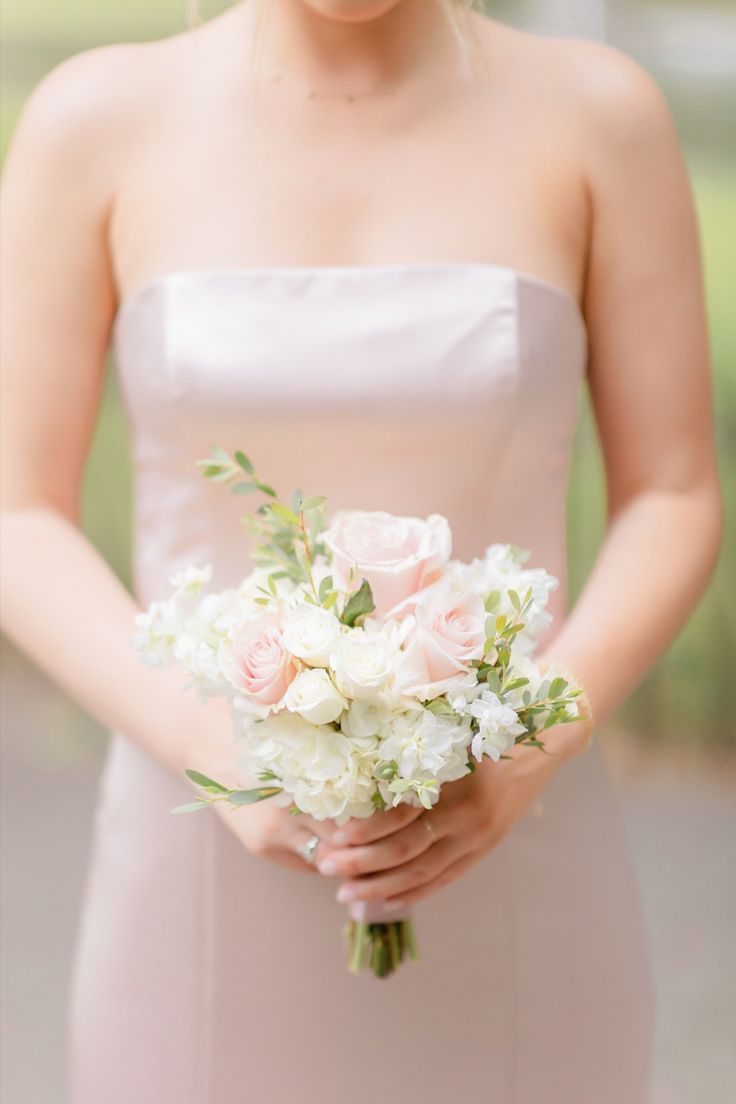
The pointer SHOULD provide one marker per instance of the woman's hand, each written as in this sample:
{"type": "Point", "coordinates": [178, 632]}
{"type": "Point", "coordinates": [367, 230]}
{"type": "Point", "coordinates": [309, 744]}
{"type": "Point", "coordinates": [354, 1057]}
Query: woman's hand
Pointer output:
{"type": "Point", "coordinates": [272, 832]}
{"type": "Point", "coordinates": [424, 851]}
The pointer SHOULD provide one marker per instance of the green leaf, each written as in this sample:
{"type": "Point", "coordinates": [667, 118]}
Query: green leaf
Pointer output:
{"type": "Point", "coordinates": [249, 797]}
{"type": "Point", "coordinates": [514, 599]}
{"type": "Point", "coordinates": [557, 686]}
{"type": "Point", "coordinates": [296, 500]}
{"type": "Point", "coordinates": [324, 588]}
{"type": "Point", "coordinates": [313, 502]}
{"type": "Point", "coordinates": [244, 462]}
{"type": "Point", "coordinates": [203, 780]}
{"type": "Point", "coordinates": [494, 682]}
{"type": "Point", "coordinates": [440, 707]}
{"type": "Point", "coordinates": [285, 513]}
{"type": "Point", "coordinates": [192, 807]}
{"type": "Point", "coordinates": [265, 489]}
{"type": "Point", "coordinates": [244, 488]}
{"type": "Point", "coordinates": [500, 622]}
{"type": "Point", "coordinates": [515, 683]}
{"type": "Point", "coordinates": [492, 600]}
{"type": "Point", "coordinates": [359, 604]}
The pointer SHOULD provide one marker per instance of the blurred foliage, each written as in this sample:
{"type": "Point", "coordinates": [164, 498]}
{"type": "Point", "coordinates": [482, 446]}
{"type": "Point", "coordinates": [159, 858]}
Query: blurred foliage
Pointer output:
{"type": "Point", "coordinates": [690, 697]}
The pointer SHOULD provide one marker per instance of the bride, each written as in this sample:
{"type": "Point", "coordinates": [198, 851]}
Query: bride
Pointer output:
{"type": "Point", "coordinates": [379, 244]}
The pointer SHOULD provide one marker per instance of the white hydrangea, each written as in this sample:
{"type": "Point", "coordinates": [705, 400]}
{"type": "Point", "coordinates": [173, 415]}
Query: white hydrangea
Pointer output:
{"type": "Point", "coordinates": [366, 717]}
{"type": "Point", "coordinates": [316, 764]}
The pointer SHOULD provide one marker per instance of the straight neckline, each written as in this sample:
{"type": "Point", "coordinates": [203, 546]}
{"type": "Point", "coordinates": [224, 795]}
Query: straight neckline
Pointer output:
{"type": "Point", "coordinates": [162, 279]}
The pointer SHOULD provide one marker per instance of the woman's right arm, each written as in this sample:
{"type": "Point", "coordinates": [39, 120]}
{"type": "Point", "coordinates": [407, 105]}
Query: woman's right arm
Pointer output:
{"type": "Point", "coordinates": [61, 602]}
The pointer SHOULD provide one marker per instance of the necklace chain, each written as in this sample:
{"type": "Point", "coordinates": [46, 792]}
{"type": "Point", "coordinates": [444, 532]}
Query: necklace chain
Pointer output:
{"type": "Point", "coordinates": [311, 93]}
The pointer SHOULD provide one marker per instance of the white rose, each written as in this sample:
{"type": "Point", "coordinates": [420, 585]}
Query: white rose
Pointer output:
{"type": "Point", "coordinates": [363, 663]}
{"type": "Point", "coordinates": [311, 633]}
{"type": "Point", "coordinates": [313, 695]}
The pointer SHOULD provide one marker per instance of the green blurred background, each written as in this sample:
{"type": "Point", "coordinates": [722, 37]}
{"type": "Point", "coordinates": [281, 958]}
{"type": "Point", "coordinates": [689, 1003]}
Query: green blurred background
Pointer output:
{"type": "Point", "coordinates": [688, 702]}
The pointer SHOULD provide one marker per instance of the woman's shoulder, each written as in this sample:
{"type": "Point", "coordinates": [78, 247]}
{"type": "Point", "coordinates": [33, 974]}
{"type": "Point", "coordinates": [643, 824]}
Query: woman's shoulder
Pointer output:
{"type": "Point", "coordinates": [598, 82]}
{"type": "Point", "coordinates": [91, 101]}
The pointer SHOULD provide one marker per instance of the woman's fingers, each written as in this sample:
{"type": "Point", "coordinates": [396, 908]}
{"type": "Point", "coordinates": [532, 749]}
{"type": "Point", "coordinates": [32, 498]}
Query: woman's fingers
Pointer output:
{"type": "Point", "coordinates": [392, 850]}
{"type": "Point", "coordinates": [410, 876]}
{"type": "Point", "coordinates": [450, 874]}
{"type": "Point", "coordinates": [366, 830]}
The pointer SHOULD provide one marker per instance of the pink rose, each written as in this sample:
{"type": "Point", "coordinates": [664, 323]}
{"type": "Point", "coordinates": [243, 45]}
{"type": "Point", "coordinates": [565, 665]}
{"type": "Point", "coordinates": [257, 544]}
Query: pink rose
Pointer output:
{"type": "Point", "coordinates": [258, 665]}
{"type": "Point", "coordinates": [447, 634]}
{"type": "Point", "coordinates": [397, 555]}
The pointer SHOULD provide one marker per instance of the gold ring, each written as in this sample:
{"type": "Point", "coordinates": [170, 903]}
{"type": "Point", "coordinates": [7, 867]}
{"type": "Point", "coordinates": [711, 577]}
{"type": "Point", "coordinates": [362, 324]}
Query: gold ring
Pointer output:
{"type": "Point", "coordinates": [428, 825]}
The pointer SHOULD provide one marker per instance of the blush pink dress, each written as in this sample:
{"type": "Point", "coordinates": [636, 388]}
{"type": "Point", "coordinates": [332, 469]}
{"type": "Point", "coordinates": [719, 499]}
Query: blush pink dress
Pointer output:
{"type": "Point", "coordinates": [205, 975]}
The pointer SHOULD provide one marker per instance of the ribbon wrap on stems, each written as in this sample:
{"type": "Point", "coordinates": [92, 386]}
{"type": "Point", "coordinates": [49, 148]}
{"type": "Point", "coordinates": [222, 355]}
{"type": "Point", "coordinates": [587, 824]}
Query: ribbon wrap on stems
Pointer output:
{"type": "Point", "coordinates": [381, 934]}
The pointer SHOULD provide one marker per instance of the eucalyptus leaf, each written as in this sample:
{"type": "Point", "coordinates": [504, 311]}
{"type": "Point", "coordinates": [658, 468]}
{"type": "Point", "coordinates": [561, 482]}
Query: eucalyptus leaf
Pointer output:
{"type": "Point", "coordinates": [265, 489]}
{"type": "Point", "coordinates": [244, 462]}
{"type": "Point", "coordinates": [191, 808]}
{"type": "Point", "coordinates": [324, 588]}
{"type": "Point", "coordinates": [203, 780]}
{"type": "Point", "coordinates": [244, 488]}
{"type": "Point", "coordinates": [249, 797]}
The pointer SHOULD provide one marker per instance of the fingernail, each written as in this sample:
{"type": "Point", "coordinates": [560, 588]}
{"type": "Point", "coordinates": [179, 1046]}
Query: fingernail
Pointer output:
{"type": "Point", "coordinates": [327, 866]}
{"type": "Point", "coordinates": [393, 906]}
{"type": "Point", "coordinates": [339, 838]}
{"type": "Point", "coordinates": [345, 893]}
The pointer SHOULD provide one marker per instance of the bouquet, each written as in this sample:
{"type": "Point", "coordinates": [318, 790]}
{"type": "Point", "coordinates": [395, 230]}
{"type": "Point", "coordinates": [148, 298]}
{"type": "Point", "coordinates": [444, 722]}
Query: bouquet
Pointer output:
{"type": "Point", "coordinates": [364, 666]}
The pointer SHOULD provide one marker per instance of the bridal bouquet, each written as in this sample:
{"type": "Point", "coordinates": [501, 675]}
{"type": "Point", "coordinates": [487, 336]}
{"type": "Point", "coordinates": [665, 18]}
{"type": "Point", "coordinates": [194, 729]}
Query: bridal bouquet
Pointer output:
{"type": "Point", "coordinates": [364, 667]}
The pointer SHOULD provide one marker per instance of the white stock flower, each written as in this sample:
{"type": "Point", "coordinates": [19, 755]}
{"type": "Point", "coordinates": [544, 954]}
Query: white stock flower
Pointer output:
{"type": "Point", "coordinates": [190, 579]}
{"type": "Point", "coordinates": [423, 744]}
{"type": "Point", "coordinates": [501, 568]}
{"type": "Point", "coordinates": [363, 663]}
{"type": "Point", "coordinates": [314, 696]}
{"type": "Point", "coordinates": [157, 631]}
{"type": "Point", "coordinates": [311, 633]}
{"type": "Point", "coordinates": [497, 723]}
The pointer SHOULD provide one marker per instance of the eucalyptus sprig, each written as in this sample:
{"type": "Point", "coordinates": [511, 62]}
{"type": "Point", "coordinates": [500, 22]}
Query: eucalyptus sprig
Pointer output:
{"type": "Point", "coordinates": [217, 792]}
{"type": "Point", "coordinates": [288, 535]}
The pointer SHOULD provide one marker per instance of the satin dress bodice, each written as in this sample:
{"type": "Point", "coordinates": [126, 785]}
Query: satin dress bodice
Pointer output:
{"type": "Point", "coordinates": [417, 389]}
{"type": "Point", "coordinates": [208, 974]}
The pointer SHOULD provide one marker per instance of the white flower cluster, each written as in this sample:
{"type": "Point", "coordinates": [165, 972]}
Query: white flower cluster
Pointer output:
{"type": "Point", "coordinates": [347, 717]}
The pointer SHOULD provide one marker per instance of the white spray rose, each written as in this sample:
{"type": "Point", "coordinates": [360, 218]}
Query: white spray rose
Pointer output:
{"type": "Point", "coordinates": [311, 633]}
{"type": "Point", "coordinates": [314, 696]}
{"type": "Point", "coordinates": [363, 663]}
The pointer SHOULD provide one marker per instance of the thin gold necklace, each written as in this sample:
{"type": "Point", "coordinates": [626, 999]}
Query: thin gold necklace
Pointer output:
{"type": "Point", "coordinates": [310, 93]}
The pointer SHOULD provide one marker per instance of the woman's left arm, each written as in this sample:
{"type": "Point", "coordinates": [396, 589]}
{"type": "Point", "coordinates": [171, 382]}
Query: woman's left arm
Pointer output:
{"type": "Point", "coordinates": [650, 386]}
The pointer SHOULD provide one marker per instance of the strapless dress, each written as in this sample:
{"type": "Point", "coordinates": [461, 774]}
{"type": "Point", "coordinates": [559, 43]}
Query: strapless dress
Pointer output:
{"type": "Point", "coordinates": [205, 975]}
